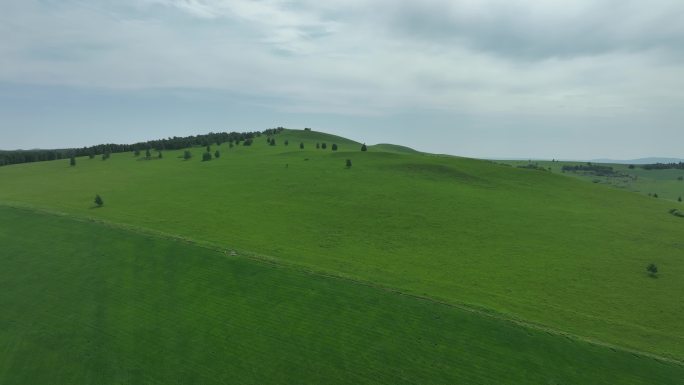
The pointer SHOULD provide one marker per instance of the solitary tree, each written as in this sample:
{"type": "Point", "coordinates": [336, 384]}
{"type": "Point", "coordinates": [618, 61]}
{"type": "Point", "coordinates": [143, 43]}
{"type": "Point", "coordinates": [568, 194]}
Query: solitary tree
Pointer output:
{"type": "Point", "coordinates": [206, 156]}
{"type": "Point", "coordinates": [217, 154]}
{"type": "Point", "coordinates": [655, 195]}
{"type": "Point", "coordinates": [287, 142]}
{"type": "Point", "coordinates": [187, 155]}
{"type": "Point", "coordinates": [324, 146]}
{"type": "Point", "coordinates": [679, 199]}
{"type": "Point", "coordinates": [72, 161]}
{"type": "Point", "coordinates": [334, 147]}
{"type": "Point", "coordinates": [349, 163]}
{"type": "Point", "coordinates": [98, 200]}
{"type": "Point", "coordinates": [301, 145]}
{"type": "Point", "coordinates": [364, 148]}
{"type": "Point", "coordinates": [652, 269]}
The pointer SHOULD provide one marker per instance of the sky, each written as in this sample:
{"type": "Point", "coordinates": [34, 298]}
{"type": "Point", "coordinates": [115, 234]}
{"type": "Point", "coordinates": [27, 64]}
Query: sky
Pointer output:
{"type": "Point", "coordinates": [557, 79]}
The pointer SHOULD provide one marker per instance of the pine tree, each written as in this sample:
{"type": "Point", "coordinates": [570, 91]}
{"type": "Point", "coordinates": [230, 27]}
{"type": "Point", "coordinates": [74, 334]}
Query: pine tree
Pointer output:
{"type": "Point", "coordinates": [349, 164]}
{"type": "Point", "coordinates": [301, 145]}
{"type": "Point", "coordinates": [98, 200]}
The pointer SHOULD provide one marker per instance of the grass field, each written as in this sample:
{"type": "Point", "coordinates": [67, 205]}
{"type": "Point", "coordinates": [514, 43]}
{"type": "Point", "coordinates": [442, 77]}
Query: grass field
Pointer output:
{"type": "Point", "coordinates": [515, 243]}
{"type": "Point", "coordinates": [665, 183]}
{"type": "Point", "coordinates": [85, 303]}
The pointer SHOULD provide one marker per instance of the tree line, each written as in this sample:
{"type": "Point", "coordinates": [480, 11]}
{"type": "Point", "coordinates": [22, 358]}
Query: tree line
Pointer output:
{"type": "Point", "coordinates": [105, 150]}
{"type": "Point", "coordinates": [663, 166]}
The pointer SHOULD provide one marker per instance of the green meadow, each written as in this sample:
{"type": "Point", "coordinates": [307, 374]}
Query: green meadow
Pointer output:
{"type": "Point", "coordinates": [405, 267]}
{"type": "Point", "coordinates": [665, 183]}
{"type": "Point", "coordinates": [93, 304]}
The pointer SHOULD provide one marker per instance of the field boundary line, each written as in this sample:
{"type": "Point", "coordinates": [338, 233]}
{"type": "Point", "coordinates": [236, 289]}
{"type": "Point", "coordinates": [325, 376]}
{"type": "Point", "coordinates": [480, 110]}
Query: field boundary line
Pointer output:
{"type": "Point", "coordinates": [318, 272]}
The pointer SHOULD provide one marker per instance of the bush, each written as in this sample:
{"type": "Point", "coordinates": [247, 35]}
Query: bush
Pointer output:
{"type": "Point", "coordinates": [98, 200]}
{"type": "Point", "coordinates": [318, 145]}
{"type": "Point", "coordinates": [248, 142]}
{"type": "Point", "coordinates": [206, 156]}
{"type": "Point", "coordinates": [160, 155]}
{"type": "Point", "coordinates": [187, 155]}
{"type": "Point", "coordinates": [72, 161]}
{"type": "Point", "coordinates": [679, 199]}
{"type": "Point", "coordinates": [652, 269]}
{"type": "Point", "coordinates": [334, 147]}
{"type": "Point", "coordinates": [217, 154]}
{"type": "Point", "coordinates": [348, 164]}
{"type": "Point", "coordinates": [301, 145]}
{"type": "Point", "coordinates": [324, 146]}
{"type": "Point", "coordinates": [364, 148]}
{"type": "Point", "coordinates": [148, 154]}
{"type": "Point", "coordinates": [136, 152]}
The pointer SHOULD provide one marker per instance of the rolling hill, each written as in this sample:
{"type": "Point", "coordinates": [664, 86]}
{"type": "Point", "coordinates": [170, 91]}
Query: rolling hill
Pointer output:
{"type": "Point", "coordinates": [404, 233]}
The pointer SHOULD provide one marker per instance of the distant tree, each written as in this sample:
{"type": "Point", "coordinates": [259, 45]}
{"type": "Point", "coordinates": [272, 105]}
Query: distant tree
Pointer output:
{"type": "Point", "coordinates": [206, 156]}
{"type": "Point", "coordinates": [301, 145]}
{"type": "Point", "coordinates": [681, 178]}
{"type": "Point", "coordinates": [679, 199]}
{"type": "Point", "coordinates": [334, 147]}
{"type": "Point", "coordinates": [364, 148]}
{"type": "Point", "coordinates": [104, 156]}
{"type": "Point", "coordinates": [272, 142]}
{"type": "Point", "coordinates": [230, 144]}
{"type": "Point", "coordinates": [208, 148]}
{"type": "Point", "coordinates": [631, 167]}
{"type": "Point", "coordinates": [187, 155]}
{"type": "Point", "coordinates": [248, 142]}
{"type": "Point", "coordinates": [348, 164]}
{"type": "Point", "coordinates": [287, 142]}
{"type": "Point", "coordinates": [217, 154]}
{"type": "Point", "coordinates": [91, 154]}
{"type": "Point", "coordinates": [652, 269]}
{"type": "Point", "coordinates": [324, 146]}
{"type": "Point", "coordinates": [148, 154]}
{"type": "Point", "coordinates": [136, 152]}
{"type": "Point", "coordinates": [318, 145]}
{"type": "Point", "coordinates": [72, 161]}
{"type": "Point", "coordinates": [655, 195]}
{"type": "Point", "coordinates": [307, 129]}
{"type": "Point", "coordinates": [98, 200]}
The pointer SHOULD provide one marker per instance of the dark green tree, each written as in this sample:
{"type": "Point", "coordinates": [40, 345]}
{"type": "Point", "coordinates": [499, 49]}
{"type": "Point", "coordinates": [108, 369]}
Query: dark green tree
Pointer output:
{"type": "Point", "coordinates": [159, 155]}
{"type": "Point", "coordinates": [324, 146]}
{"type": "Point", "coordinates": [301, 145]}
{"type": "Point", "coordinates": [272, 142]}
{"type": "Point", "coordinates": [334, 147]}
{"type": "Point", "coordinates": [136, 152]}
{"type": "Point", "coordinates": [98, 200]}
{"type": "Point", "coordinates": [187, 155]}
{"type": "Point", "coordinates": [208, 148]}
{"type": "Point", "coordinates": [148, 154]}
{"type": "Point", "coordinates": [230, 144]}
{"type": "Point", "coordinates": [364, 148]}
{"type": "Point", "coordinates": [655, 195]}
{"type": "Point", "coordinates": [206, 156]}
{"type": "Point", "coordinates": [652, 269]}
{"type": "Point", "coordinates": [72, 161]}
{"type": "Point", "coordinates": [217, 154]}
{"type": "Point", "coordinates": [287, 142]}
{"type": "Point", "coordinates": [348, 164]}
{"type": "Point", "coordinates": [679, 199]}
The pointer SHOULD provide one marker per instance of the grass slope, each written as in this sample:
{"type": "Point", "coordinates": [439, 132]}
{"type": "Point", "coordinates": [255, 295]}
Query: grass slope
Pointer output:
{"type": "Point", "coordinates": [97, 305]}
{"type": "Point", "coordinates": [527, 244]}
{"type": "Point", "coordinates": [665, 183]}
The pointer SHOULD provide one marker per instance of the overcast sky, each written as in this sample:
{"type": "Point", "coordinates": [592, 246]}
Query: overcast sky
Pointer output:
{"type": "Point", "coordinates": [490, 78]}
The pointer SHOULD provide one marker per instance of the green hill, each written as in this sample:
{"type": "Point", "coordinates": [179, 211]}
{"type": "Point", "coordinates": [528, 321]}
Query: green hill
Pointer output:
{"type": "Point", "coordinates": [541, 249]}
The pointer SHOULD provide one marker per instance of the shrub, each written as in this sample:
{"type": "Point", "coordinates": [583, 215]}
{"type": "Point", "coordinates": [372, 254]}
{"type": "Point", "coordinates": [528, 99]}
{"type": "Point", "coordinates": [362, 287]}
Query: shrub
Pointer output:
{"type": "Point", "coordinates": [348, 164]}
{"type": "Point", "coordinates": [160, 155]}
{"type": "Point", "coordinates": [206, 156]}
{"type": "Point", "coordinates": [679, 199]}
{"type": "Point", "coordinates": [364, 148]}
{"type": "Point", "coordinates": [324, 146]}
{"type": "Point", "coordinates": [148, 154]}
{"type": "Point", "coordinates": [272, 142]}
{"type": "Point", "coordinates": [217, 154]}
{"type": "Point", "coordinates": [98, 200]}
{"type": "Point", "coordinates": [301, 145]}
{"type": "Point", "coordinates": [655, 195]}
{"type": "Point", "coordinates": [208, 148]}
{"type": "Point", "coordinates": [307, 129]}
{"type": "Point", "coordinates": [334, 147]}
{"type": "Point", "coordinates": [136, 152]}
{"type": "Point", "coordinates": [72, 161]}
{"type": "Point", "coordinates": [287, 142]}
{"type": "Point", "coordinates": [652, 269]}
{"type": "Point", "coordinates": [318, 145]}
{"type": "Point", "coordinates": [187, 155]}
{"type": "Point", "coordinates": [248, 142]}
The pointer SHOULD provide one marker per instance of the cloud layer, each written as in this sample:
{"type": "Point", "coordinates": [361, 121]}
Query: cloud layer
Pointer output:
{"type": "Point", "coordinates": [558, 59]}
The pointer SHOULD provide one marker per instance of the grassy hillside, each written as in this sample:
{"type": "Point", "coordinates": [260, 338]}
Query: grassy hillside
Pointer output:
{"type": "Point", "coordinates": [524, 244]}
{"type": "Point", "coordinates": [100, 305]}
{"type": "Point", "coordinates": [665, 183]}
